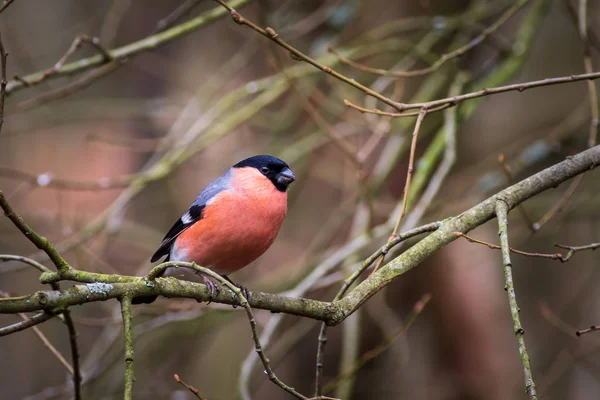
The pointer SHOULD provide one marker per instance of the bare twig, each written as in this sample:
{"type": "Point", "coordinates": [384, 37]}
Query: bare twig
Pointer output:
{"type": "Point", "coordinates": [445, 57]}
{"type": "Point", "coordinates": [129, 377]}
{"type": "Point", "coordinates": [588, 66]}
{"type": "Point", "coordinates": [192, 389]}
{"type": "Point", "coordinates": [112, 21]}
{"type": "Point", "coordinates": [376, 351]}
{"type": "Point", "coordinates": [574, 249]}
{"type": "Point", "coordinates": [146, 44]}
{"type": "Point", "coordinates": [520, 87]}
{"type": "Point", "coordinates": [25, 324]}
{"type": "Point", "coordinates": [560, 204]}
{"type": "Point", "coordinates": [509, 176]}
{"type": "Point", "coordinates": [77, 42]}
{"type": "Point", "coordinates": [413, 149]}
{"type": "Point", "coordinates": [244, 303]}
{"type": "Point", "coordinates": [391, 114]}
{"type": "Point", "coordinates": [48, 180]}
{"type": "Point", "coordinates": [502, 215]}
{"type": "Point", "coordinates": [269, 33]}
{"type": "Point", "coordinates": [175, 15]}
{"type": "Point", "coordinates": [39, 241]}
{"type": "Point", "coordinates": [47, 343]}
{"type": "Point", "coordinates": [3, 81]}
{"type": "Point", "coordinates": [77, 378]}
{"type": "Point", "coordinates": [25, 260]}
{"type": "Point", "coordinates": [5, 4]}
{"type": "Point", "coordinates": [61, 266]}
{"type": "Point", "coordinates": [71, 87]}
{"type": "Point", "coordinates": [348, 283]}
{"type": "Point", "coordinates": [555, 256]}
{"type": "Point", "coordinates": [594, 111]}
{"type": "Point", "coordinates": [588, 330]}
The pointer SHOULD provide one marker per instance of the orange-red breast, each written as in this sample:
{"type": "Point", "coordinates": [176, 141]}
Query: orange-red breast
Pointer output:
{"type": "Point", "coordinates": [233, 221]}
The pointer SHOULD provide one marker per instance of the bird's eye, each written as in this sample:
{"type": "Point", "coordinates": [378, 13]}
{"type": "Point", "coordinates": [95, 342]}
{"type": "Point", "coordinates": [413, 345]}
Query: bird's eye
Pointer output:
{"type": "Point", "coordinates": [264, 170]}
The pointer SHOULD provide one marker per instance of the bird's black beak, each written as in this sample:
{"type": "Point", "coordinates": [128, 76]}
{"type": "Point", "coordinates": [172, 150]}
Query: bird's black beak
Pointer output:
{"type": "Point", "coordinates": [286, 177]}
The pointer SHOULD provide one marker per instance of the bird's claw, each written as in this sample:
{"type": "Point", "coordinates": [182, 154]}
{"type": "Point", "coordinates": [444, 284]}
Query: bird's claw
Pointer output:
{"type": "Point", "coordinates": [244, 290]}
{"type": "Point", "coordinates": [212, 289]}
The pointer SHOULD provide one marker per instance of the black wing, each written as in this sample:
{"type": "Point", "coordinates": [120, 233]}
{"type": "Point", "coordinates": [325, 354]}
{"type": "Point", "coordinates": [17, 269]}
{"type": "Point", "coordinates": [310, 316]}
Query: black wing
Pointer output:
{"type": "Point", "coordinates": [192, 215]}
{"type": "Point", "coordinates": [188, 219]}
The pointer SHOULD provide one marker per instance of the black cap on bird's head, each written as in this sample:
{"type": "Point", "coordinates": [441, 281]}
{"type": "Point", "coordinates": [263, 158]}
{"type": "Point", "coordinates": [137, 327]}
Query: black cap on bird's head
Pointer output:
{"type": "Point", "coordinates": [273, 168]}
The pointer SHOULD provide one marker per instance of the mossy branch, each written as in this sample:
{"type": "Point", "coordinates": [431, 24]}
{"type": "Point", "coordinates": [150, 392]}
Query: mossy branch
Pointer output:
{"type": "Point", "coordinates": [101, 287]}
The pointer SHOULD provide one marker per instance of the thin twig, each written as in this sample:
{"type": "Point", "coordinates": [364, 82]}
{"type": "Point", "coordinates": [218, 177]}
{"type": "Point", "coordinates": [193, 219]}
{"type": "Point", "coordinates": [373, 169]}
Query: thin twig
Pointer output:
{"type": "Point", "coordinates": [558, 207]}
{"type": "Point", "coordinates": [75, 45]}
{"type": "Point", "coordinates": [39, 241]}
{"type": "Point", "coordinates": [62, 266]}
{"type": "Point", "coordinates": [509, 176]}
{"type": "Point", "coordinates": [25, 260]}
{"type": "Point", "coordinates": [146, 44]}
{"type": "Point", "coordinates": [520, 87]}
{"type": "Point", "coordinates": [574, 249]}
{"type": "Point", "coordinates": [445, 57]}
{"type": "Point", "coordinates": [378, 350]}
{"type": "Point", "coordinates": [5, 4]}
{"type": "Point", "coordinates": [50, 347]}
{"type": "Point", "coordinates": [175, 15]}
{"type": "Point", "coordinates": [71, 87]}
{"type": "Point", "coordinates": [192, 389]}
{"type": "Point", "coordinates": [269, 33]}
{"type": "Point", "coordinates": [588, 330]}
{"type": "Point", "coordinates": [129, 376]}
{"type": "Point", "coordinates": [47, 180]}
{"type": "Point", "coordinates": [588, 67]}
{"type": "Point", "coordinates": [77, 377]}
{"type": "Point", "coordinates": [348, 283]}
{"type": "Point", "coordinates": [391, 114]}
{"type": "Point", "coordinates": [3, 81]}
{"type": "Point", "coordinates": [555, 256]}
{"type": "Point", "coordinates": [25, 324]}
{"type": "Point", "coordinates": [257, 346]}
{"type": "Point", "coordinates": [110, 26]}
{"type": "Point", "coordinates": [413, 149]}
{"type": "Point", "coordinates": [594, 111]}
{"type": "Point", "coordinates": [502, 215]}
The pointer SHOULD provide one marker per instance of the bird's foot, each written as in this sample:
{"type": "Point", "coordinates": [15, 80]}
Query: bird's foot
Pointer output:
{"type": "Point", "coordinates": [213, 288]}
{"type": "Point", "coordinates": [244, 289]}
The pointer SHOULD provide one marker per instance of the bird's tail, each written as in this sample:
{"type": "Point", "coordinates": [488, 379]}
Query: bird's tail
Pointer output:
{"type": "Point", "coordinates": [148, 299]}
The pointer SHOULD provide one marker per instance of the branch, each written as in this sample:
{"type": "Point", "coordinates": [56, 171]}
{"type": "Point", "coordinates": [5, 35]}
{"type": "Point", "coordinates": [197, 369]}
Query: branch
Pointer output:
{"type": "Point", "coordinates": [146, 44]}
{"type": "Point", "coordinates": [350, 281]}
{"type": "Point", "coordinates": [39, 241]}
{"type": "Point", "coordinates": [465, 222]}
{"type": "Point", "coordinates": [25, 324]}
{"type": "Point", "coordinates": [103, 287]}
{"type": "Point", "coordinates": [192, 389]}
{"type": "Point", "coordinates": [378, 350]}
{"type": "Point", "coordinates": [555, 256]}
{"type": "Point", "coordinates": [502, 215]}
{"type": "Point", "coordinates": [239, 293]}
{"type": "Point", "coordinates": [3, 81]}
{"type": "Point", "coordinates": [445, 57]}
{"type": "Point", "coordinates": [128, 336]}
{"type": "Point", "coordinates": [574, 249]}
{"type": "Point", "coordinates": [269, 33]}
{"type": "Point", "coordinates": [453, 101]}
{"type": "Point", "coordinates": [5, 4]}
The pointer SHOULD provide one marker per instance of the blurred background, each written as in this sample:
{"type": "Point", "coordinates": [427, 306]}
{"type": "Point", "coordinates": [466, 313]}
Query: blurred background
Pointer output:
{"type": "Point", "coordinates": [103, 160]}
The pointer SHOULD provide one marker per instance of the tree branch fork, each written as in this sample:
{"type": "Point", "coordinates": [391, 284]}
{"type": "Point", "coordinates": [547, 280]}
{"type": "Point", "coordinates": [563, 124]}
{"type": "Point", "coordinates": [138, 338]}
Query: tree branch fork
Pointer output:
{"type": "Point", "coordinates": [101, 287]}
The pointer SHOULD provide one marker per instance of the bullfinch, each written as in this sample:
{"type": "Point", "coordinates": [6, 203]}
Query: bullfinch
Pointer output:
{"type": "Point", "coordinates": [233, 221]}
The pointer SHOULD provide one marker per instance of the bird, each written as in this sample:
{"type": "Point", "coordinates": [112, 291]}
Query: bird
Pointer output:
{"type": "Point", "coordinates": [232, 222]}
